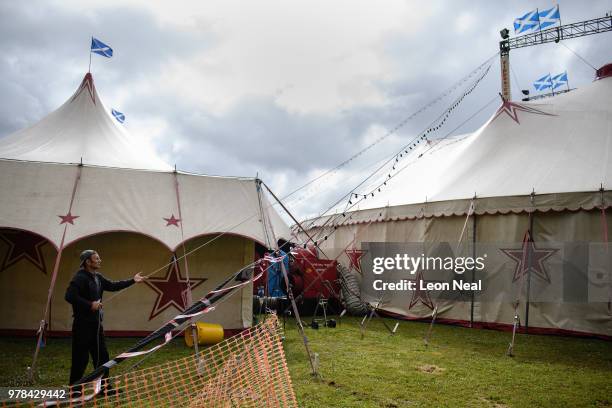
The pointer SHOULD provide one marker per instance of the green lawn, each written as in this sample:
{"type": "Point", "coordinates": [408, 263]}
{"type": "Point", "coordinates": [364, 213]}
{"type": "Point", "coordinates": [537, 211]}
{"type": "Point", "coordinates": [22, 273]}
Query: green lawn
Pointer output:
{"type": "Point", "coordinates": [460, 368]}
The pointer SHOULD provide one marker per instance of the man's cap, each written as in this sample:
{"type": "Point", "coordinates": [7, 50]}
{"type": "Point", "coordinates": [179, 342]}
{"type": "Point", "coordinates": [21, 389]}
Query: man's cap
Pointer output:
{"type": "Point", "coordinates": [85, 255]}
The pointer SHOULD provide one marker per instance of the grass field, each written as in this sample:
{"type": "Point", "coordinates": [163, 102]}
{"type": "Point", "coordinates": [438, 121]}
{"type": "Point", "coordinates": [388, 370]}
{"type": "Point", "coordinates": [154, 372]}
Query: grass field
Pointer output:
{"type": "Point", "coordinates": [460, 368]}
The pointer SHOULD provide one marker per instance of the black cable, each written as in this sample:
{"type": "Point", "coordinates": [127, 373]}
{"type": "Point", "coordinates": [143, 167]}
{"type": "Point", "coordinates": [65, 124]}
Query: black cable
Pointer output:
{"type": "Point", "coordinates": [395, 128]}
{"type": "Point", "coordinates": [576, 54]}
{"type": "Point", "coordinates": [440, 121]}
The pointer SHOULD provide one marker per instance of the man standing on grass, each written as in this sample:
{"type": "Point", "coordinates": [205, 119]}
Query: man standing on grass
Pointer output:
{"type": "Point", "coordinates": [85, 295]}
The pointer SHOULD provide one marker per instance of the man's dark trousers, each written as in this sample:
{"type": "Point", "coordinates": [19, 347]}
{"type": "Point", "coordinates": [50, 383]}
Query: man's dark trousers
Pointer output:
{"type": "Point", "coordinates": [86, 340]}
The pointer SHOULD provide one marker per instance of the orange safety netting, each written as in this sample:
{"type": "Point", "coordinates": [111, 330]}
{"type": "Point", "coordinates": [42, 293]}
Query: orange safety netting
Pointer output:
{"type": "Point", "coordinates": [247, 370]}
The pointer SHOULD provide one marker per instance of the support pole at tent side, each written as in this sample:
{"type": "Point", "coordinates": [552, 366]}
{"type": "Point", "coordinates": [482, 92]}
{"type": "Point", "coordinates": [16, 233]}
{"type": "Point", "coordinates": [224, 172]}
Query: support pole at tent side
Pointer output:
{"type": "Point", "coordinates": [473, 277]}
{"type": "Point", "coordinates": [46, 313]}
{"type": "Point", "coordinates": [286, 277]}
{"type": "Point", "coordinates": [194, 330]}
{"type": "Point", "coordinates": [268, 242]}
{"type": "Point", "coordinates": [530, 246]}
{"type": "Point", "coordinates": [604, 227]}
{"type": "Point", "coordinates": [470, 213]}
{"type": "Point", "coordinates": [434, 314]}
{"type": "Point", "coordinates": [517, 319]}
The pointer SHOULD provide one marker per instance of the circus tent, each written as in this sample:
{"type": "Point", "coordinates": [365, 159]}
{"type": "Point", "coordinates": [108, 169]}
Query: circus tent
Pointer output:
{"type": "Point", "coordinates": [542, 167]}
{"type": "Point", "coordinates": [77, 180]}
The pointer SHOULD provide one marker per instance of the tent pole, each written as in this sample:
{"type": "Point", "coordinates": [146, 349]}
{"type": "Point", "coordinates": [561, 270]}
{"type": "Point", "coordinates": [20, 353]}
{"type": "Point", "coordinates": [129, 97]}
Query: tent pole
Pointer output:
{"type": "Point", "coordinates": [604, 227]}
{"type": "Point", "coordinates": [286, 277]}
{"type": "Point", "coordinates": [473, 278]}
{"type": "Point", "coordinates": [268, 241]}
{"type": "Point", "coordinates": [467, 218]}
{"type": "Point", "coordinates": [529, 246]}
{"type": "Point", "coordinates": [194, 329]}
{"type": "Point", "coordinates": [434, 313]}
{"type": "Point", "coordinates": [45, 319]}
{"type": "Point", "coordinates": [517, 319]}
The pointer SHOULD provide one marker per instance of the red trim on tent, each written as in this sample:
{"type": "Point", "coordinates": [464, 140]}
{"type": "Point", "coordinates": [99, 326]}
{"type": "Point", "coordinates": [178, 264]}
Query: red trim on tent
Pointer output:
{"type": "Point", "coordinates": [462, 213]}
{"type": "Point", "coordinates": [499, 326]}
{"type": "Point", "coordinates": [133, 232]}
{"type": "Point", "coordinates": [218, 233]}
{"type": "Point", "coordinates": [33, 233]}
{"type": "Point", "coordinates": [604, 72]}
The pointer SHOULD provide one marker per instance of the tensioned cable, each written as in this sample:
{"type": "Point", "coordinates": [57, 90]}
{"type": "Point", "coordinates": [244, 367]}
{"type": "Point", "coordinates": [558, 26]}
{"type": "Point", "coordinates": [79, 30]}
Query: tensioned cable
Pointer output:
{"type": "Point", "coordinates": [395, 128]}
{"type": "Point", "coordinates": [576, 54]}
{"type": "Point", "coordinates": [408, 147]}
{"type": "Point", "coordinates": [333, 218]}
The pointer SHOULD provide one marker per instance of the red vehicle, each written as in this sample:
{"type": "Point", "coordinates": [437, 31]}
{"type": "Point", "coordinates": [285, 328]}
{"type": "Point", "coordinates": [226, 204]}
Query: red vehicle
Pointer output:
{"type": "Point", "coordinates": [310, 277]}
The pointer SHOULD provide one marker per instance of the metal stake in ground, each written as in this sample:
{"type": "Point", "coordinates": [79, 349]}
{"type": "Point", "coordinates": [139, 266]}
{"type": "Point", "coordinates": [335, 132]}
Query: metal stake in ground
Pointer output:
{"type": "Point", "coordinates": [434, 314]}
{"type": "Point", "coordinates": [372, 313]}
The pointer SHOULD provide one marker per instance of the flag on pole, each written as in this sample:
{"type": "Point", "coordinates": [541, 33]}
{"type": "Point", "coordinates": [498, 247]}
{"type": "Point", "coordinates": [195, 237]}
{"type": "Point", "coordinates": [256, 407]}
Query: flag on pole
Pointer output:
{"type": "Point", "coordinates": [98, 47]}
{"type": "Point", "coordinates": [543, 83]}
{"type": "Point", "coordinates": [527, 22]}
{"type": "Point", "coordinates": [549, 17]}
{"type": "Point", "coordinates": [118, 115]}
{"type": "Point", "coordinates": [559, 80]}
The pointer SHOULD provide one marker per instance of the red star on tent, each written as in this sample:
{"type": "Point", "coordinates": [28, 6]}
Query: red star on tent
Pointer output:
{"type": "Point", "coordinates": [172, 221]}
{"type": "Point", "coordinates": [23, 245]}
{"type": "Point", "coordinates": [171, 289]}
{"type": "Point", "coordinates": [511, 109]}
{"type": "Point", "coordinates": [354, 256]}
{"type": "Point", "coordinates": [538, 255]}
{"type": "Point", "coordinates": [418, 294]}
{"type": "Point", "coordinates": [68, 218]}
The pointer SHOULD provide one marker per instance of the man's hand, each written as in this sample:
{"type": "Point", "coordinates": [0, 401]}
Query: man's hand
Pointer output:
{"type": "Point", "coordinates": [96, 305]}
{"type": "Point", "coordinates": [138, 277]}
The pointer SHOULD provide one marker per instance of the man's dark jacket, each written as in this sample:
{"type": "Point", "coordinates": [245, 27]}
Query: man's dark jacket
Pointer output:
{"type": "Point", "coordinates": [84, 289]}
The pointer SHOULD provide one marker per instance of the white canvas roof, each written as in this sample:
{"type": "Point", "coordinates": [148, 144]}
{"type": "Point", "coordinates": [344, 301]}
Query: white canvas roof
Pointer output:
{"type": "Point", "coordinates": [82, 128]}
{"type": "Point", "coordinates": [43, 193]}
{"type": "Point", "coordinates": [558, 145]}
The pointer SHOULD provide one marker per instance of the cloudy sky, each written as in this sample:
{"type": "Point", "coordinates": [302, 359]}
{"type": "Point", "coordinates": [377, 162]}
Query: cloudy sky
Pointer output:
{"type": "Point", "coordinates": [283, 89]}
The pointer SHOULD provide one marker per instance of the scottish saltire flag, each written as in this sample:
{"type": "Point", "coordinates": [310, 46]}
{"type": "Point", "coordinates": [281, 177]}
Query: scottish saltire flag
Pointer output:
{"type": "Point", "coordinates": [118, 115]}
{"type": "Point", "coordinates": [543, 83]}
{"type": "Point", "coordinates": [100, 48]}
{"type": "Point", "coordinates": [549, 17]}
{"type": "Point", "coordinates": [559, 80]}
{"type": "Point", "coordinates": [527, 22]}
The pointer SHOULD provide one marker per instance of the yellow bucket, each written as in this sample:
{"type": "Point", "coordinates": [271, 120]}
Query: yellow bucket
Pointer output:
{"type": "Point", "coordinates": [208, 333]}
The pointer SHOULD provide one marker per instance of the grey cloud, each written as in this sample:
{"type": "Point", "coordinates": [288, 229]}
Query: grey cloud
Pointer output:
{"type": "Point", "coordinates": [46, 50]}
{"type": "Point", "coordinates": [45, 53]}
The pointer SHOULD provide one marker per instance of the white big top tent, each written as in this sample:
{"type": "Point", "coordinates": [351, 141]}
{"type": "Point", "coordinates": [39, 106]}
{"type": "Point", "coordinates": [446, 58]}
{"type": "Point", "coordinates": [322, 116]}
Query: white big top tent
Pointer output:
{"type": "Point", "coordinates": [542, 166]}
{"type": "Point", "coordinates": [76, 180]}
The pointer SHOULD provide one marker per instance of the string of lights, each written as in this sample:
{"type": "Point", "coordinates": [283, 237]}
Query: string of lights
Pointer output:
{"type": "Point", "coordinates": [403, 152]}
{"type": "Point", "coordinates": [347, 217]}
{"type": "Point", "coordinates": [484, 65]}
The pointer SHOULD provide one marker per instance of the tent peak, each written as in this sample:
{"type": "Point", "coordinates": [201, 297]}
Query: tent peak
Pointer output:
{"type": "Point", "coordinates": [86, 84]}
{"type": "Point", "coordinates": [81, 130]}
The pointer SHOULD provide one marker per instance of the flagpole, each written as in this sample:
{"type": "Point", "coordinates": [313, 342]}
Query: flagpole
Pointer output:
{"type": "Point", "coordinates": [552, 86]}
{"type": "Point", "coordinates": [539, 24]}
{"type": "Point", "coordinates": [89, 69]}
